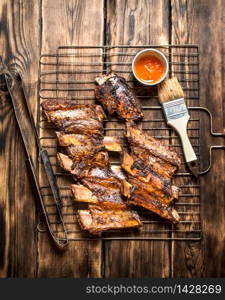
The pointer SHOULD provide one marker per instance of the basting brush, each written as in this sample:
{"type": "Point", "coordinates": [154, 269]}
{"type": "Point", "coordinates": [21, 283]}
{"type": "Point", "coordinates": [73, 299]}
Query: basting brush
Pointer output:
{"type": "Point", "coordinates": [171, 97]}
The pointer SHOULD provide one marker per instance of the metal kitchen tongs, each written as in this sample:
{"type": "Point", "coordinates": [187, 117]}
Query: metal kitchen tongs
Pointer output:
{"type": "Point", "coordinates": [25, 121]}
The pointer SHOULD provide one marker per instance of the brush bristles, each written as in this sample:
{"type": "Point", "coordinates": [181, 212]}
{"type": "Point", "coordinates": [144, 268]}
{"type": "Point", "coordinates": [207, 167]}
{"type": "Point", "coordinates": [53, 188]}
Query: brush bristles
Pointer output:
{"type": "Point", "coordinates": [169, 90]}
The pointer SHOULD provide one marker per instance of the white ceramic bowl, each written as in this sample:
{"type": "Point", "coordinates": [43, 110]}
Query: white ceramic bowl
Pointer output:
{"type": "Point", "coordinates": [151, 52]}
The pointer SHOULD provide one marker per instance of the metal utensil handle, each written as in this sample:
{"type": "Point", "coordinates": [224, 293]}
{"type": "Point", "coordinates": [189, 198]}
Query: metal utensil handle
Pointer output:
{"type": "Point", "coordinates": [51, 180]}
{"type": "Point", "coordinates": [61, 244]}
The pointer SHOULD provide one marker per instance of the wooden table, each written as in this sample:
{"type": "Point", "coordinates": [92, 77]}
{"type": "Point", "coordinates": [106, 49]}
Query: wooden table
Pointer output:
{"type": "Point", "coordinates": [31, 28]}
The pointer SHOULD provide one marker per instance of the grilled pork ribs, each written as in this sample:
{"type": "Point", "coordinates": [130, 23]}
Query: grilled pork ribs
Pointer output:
{"type": "Point", "coordinates": [80, 134]}
{"type": "Point", "coordinates": [70, 117]}
{"type": "Point", "coordinates": [115, 95]}
{"type": "Point", "coordinates": [149, 168]}
{"type": "Point", "coordinates": [150, 164]}
{"type": "Point", "coordinates": [96, 220]}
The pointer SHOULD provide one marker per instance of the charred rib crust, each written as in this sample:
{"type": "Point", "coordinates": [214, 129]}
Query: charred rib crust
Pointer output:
{"type": "Point", "coordinates": [115, 95]}
{"type": "Point", "coordinates": [97, 220]}
{"type": "Point", "coordinates": [141, 142]}
{"type": "Point", "coordinates": [149, 167]}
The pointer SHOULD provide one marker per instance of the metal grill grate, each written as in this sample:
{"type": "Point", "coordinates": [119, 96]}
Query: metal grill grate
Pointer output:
{"type": "Point", "coordinates": [70, 74]}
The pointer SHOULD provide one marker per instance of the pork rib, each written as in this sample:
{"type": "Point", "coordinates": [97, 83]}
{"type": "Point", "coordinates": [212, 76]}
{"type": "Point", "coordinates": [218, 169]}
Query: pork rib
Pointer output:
{"type": "Point", "coordinates": [160, 158]}
{"type": "Point", "coordinates": [70, 117]}
{"type": "Point", "coordinates": [100, 183]}
{"type": "Point", "coordinates": [82, 145]}
{"type": "Point", "coordinates": [149, 168]}
{"type": "Point", "coordinates": [97, 220]}
{"type": "Point", "coordinates": [115, 95]}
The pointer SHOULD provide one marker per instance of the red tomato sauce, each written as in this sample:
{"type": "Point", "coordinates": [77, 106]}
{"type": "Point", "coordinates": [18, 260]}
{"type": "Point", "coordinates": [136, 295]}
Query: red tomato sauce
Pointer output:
{"type": "Point", "coordinates": [149, 68]}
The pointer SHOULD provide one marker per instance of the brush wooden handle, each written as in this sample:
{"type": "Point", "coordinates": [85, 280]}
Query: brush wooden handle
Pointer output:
{"type": "Point", "coordinates": [180, 125]}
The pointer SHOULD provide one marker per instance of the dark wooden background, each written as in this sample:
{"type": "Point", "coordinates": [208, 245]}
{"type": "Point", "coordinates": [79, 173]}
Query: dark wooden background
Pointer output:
{"type": "Point", "coordinates": [29, 28]}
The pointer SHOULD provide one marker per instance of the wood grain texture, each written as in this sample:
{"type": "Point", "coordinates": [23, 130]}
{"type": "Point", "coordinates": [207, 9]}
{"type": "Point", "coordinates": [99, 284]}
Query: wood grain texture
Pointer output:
{"type": "Point", "coordinates": [186, 256]}
{"type": "Point", "coordinates": [134, 22]}
{"type": "Point", "coordinates": [81, 259]}
{"type": "Point", "coordinates": [73, 22]}
{"type": "Point", "coordinates": [29, 28]}
{"type": "Point", "coordinates": [81, 23]}
{"type": "Point", "coordinates": [137, 22]}
{"type": "Point", "coordinates": [19, 47]}
{"type": "Point", "coordinates": [201, 22]}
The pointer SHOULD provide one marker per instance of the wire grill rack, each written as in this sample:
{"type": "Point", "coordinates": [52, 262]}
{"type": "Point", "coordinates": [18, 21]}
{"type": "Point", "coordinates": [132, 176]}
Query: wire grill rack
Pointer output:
{"type": "Point", "coordinates": [70, 74]}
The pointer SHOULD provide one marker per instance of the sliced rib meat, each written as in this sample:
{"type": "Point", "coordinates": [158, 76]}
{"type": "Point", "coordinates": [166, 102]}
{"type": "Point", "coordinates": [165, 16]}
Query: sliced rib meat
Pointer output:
{"type": "Point", "coordinates": [160, 158]}
{"type": "Point", "coordinates": [97, 219]}
{"type": "Point", "coordinates": [70, 117]}
{"type": "Point", "coordinates": [149, 168]}
{"type": "Point", "coordinates": [99, 182]}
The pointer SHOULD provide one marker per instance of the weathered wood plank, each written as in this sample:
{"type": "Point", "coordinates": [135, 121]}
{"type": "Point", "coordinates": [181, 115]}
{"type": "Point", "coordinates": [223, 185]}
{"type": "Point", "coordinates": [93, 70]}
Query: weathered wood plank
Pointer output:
{"type": "Point", "coordinates": [81, 23]}
{"type": "Point", "coordinates": [201, 22]}
{"type": "Point", "coordinates": [19, 46]}
{"type": "Point", "coordinates": [138, 23]}
{"type": "Point", "coordinates": [81, 259]}
{"type": "Point", "coordinates": [186, 255]}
